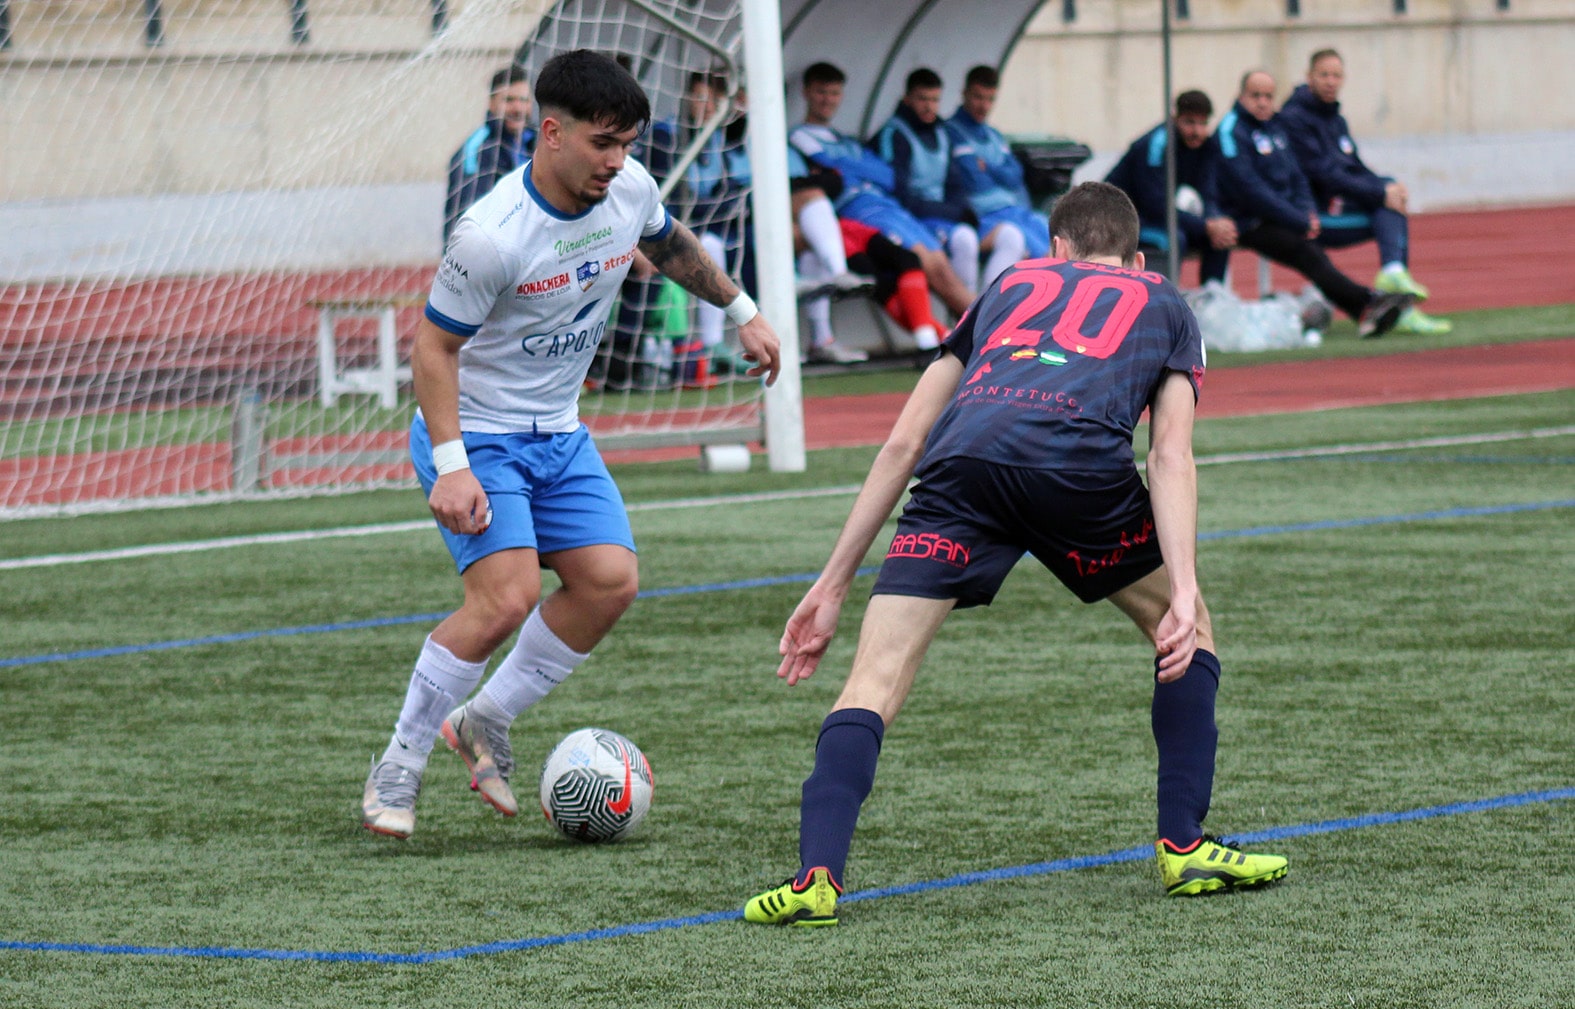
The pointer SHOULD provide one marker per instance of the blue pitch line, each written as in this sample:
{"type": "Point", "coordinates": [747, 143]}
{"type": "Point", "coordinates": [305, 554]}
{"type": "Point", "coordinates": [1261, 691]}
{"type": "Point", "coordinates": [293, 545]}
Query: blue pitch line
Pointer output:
{"type": "Point", "coordinates": [754, 583]}
{"type": "Point", "coordinates": [1385, 520]}
{"type": "Point", "coordinates": [1134, 854]}
{"type": "Point", "coordinates": [356, 625]}
{"type": "Point", "coordinates": [221, 639]}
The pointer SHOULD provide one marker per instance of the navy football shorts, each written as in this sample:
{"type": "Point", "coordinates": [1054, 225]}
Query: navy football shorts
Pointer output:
{"type": "Point", "coordinates": [968, 523]}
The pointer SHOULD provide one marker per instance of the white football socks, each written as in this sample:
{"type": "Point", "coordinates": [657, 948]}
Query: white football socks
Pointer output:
{"type": "Point", "coordinates": [823, 234]}
{"type": "Point", "coordinates": [963, 250]}
{"type": "Point", "coordinates": [709, 317]}
{"type": "Point", "coordinates": [1009, 246]}
{"type": "Point", "coordinates": [538, 662]}
{"type": "Point", "coordinates": [441, 680]}
{"type": "Point", "coordinates": [816, 310]}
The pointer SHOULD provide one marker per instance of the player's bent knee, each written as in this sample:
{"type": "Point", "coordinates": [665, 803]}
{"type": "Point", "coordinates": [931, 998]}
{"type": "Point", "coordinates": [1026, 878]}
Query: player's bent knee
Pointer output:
{"type": "Point", "coordinates": [505, 611]}
{"type": "Point", "coordinates": [618, 598]}
{"type": "Point", "coordinates": [610, 582]}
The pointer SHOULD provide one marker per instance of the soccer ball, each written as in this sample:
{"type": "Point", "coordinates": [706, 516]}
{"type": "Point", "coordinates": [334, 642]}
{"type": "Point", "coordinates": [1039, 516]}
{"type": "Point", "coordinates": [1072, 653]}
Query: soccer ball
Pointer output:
{"type": "Point", "coordinates": [596, 786]}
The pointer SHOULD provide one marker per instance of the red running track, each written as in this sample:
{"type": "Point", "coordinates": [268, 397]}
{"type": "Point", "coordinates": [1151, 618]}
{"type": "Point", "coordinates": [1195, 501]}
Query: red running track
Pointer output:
{"type": "Point", "coordinates": [1416, 376]}
{"type": "Point", "coordinates": [1471, 260]}
{"type": "Point", "coordinates": [1467, 259]}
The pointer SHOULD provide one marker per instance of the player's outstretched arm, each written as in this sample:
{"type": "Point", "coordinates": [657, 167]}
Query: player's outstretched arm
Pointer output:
{"type": "Point", "coordinates": [681, 257]}
{"type": "Point", "coordinates": [1173, 488]}
{"type": "Point", "coordinates": [457, 500]}
{"type": "Point", "coordinates": [810, 629]}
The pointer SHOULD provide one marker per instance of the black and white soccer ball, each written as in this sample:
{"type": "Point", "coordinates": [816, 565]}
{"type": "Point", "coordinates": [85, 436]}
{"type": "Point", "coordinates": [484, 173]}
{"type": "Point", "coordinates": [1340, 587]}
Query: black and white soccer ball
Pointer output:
{"type": "Point", "coordinates": [596, 786]}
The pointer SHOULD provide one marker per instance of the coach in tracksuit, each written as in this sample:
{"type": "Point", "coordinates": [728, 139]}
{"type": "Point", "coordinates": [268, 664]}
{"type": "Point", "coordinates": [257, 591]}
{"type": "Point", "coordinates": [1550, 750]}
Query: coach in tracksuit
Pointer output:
{"type": "Point", "coordinates": [1140, 173]}
{"type": "Point", "coordinates": [1355, 203]}
{"type": "Point", "coordinates": [1264, 190]}
{"type": "Point", "coordinates": [499, 146]}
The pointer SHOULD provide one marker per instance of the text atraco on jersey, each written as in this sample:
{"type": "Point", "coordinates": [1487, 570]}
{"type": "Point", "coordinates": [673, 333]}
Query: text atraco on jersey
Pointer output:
{"type": "Point", "coordinates": [531, 289]}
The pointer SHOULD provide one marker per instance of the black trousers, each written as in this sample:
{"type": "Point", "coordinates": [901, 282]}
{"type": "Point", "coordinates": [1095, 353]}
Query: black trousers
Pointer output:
{"type": "Point", "coordinates": [1306, 257]}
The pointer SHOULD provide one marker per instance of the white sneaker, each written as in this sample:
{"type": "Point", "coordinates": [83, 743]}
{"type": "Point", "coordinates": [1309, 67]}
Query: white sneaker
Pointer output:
{"type": "Point", "coordinates": [841, 286]}
{"type": "Point", "coordinates": [805, 289]}
{"type": "Point", "coordinates": [388, 805]}
{"type": "Point", "coordinates": [852, 283]}
{"type": "Point", "coordinates": [835, 353]}
{"type": "Point", "coordinates": [926, 338]}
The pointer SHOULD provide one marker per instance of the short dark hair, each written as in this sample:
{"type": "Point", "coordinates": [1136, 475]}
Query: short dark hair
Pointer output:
{"type": "Point", "coordinates": [1096, 219]}
{"type": "Point", "coordinates": [983, 77]}
{"type": "Point", "coordinates": [711, 79]}
{"type": "Point", "coordinates": [507, 77]}
{"type": "Point", "coordinates": [1323, 54]}
{"type": "Point", "coordinates": [1194, 103]}
{"type": "Point", "coordinates": [591, 87]}
{"type": "Point", "coordinates": [823, 73]}
{"type": "Point", "coordinates": [923, 77]}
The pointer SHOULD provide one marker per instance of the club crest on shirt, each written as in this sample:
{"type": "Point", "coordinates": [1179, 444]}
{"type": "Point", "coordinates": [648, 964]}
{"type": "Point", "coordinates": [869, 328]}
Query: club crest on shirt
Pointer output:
{"type": "Point", "coordinates": [1050, 357]}
{"type": "Point", "coordinates": [587, 272]}
{"type": "Point", "coordinates": [1346, 147]}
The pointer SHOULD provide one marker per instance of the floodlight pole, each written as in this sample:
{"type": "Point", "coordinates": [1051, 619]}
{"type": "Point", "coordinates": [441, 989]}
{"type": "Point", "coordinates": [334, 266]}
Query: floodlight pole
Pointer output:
{"type": "Point", "coordinates": [1172, 254]}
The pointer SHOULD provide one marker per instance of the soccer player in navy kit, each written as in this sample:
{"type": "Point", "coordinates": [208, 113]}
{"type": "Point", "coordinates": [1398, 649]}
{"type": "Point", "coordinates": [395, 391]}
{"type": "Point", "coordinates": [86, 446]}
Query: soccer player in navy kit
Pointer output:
{"type": "Point", "coordinates": [1020, 435]}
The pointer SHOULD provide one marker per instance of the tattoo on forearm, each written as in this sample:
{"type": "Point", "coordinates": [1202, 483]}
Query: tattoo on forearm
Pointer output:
{"type": "Point", "coordinates": [681, 257]}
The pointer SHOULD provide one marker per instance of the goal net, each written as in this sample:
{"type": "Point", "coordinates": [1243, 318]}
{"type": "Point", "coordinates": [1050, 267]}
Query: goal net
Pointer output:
{"type": "Point", "coordinates": [221, 218]}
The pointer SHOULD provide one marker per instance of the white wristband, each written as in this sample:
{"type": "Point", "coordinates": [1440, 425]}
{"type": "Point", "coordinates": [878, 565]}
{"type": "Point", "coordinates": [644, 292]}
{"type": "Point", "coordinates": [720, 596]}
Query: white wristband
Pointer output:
{"type": "Point", "coordinates": [450, 456]}
{"type": "Point", "coordinates": [742, 309]}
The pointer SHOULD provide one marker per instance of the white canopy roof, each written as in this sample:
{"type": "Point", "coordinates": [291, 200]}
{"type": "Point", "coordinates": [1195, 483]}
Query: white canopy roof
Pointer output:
{"type": "Point", "coordinates": [877, 42]}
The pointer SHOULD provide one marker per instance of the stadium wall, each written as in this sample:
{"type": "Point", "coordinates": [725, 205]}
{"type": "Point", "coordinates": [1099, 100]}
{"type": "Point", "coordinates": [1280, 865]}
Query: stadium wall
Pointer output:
{"type": "Point", "coordinates": [1445, 96]}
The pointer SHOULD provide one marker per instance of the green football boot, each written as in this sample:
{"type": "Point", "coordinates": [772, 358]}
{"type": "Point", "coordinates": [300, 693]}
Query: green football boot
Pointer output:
{"type": "Point", "coordinates": [1414, 320]}
{"type": "Point", "coordinates": [808, 906]}
{"type": "Point", "coordinates": [1399, 282]}
{"type": "Point", "coordinates": [1211, 864]}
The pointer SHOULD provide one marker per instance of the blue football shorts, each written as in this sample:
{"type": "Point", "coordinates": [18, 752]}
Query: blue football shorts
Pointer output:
{"type": "Point", "coordinates": [942, 227]}
{"type": "Point", "coordinates": [968, 522]}
{"type": "Point", "coordinates": [548, 492]}
{"type": "Point", "coordinates": [890, 219]}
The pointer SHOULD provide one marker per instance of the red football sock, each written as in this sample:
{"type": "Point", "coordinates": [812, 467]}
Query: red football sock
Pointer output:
{"type": "Point", "coordinates": [912, 302]}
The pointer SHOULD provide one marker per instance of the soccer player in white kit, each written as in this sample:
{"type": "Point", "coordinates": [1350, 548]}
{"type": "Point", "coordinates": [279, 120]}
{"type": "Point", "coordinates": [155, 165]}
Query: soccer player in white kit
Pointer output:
{"type": "Point", "coordinates": [516, 312]}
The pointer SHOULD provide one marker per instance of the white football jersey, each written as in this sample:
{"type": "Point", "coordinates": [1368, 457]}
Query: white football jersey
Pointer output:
{"type": "Point", "coordinates": [532, 289]}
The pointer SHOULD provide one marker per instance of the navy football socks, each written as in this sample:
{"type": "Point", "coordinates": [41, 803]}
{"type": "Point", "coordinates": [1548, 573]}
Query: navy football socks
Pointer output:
{"type": "Point", "coordinates": [1182, 715]}
{"type": "Point", "coordinates": [844, 772]}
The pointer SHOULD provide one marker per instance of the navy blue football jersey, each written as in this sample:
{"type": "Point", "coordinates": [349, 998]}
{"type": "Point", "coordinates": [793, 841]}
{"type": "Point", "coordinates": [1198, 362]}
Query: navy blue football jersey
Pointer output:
{"type": "Point", "coordinates": [1060, 359]}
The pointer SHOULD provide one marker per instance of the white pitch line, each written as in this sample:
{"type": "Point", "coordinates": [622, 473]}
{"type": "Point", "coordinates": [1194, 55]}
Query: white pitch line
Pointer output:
{"type": "Point", "coordinates": [197, 546]}
{"type": "Point", "coordinates": [1442, 441]}
{"type": "Point", "coordinates": [418, 525]}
